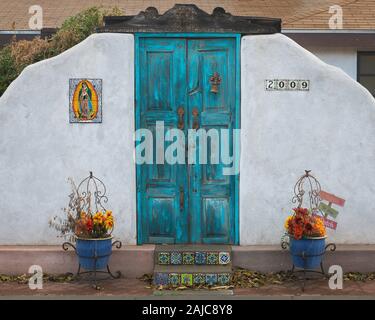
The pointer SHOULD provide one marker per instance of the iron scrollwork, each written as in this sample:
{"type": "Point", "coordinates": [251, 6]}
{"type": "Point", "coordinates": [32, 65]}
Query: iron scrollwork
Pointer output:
{"type": "Point", "coordinates": [92, 191]}
{"type": "Point", "coordinates": [314, 191]}
{"type": "Point", "coordinates": [314, 200]}
{"type": "Point", "coordinates": [91, 197]}
{"type": "Point", "coordinates": [66, 246]}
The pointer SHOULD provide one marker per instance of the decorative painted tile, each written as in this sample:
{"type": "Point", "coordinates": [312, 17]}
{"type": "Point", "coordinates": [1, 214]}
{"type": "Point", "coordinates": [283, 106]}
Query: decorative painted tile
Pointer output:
{"type": "Point", "coordinates": [161, 278]}
{"type": "Point", "coordinates": [200, 258]}
{"type": "Point", "coordinates": [211, 279]}
{"type": "Point", "coordinates": [164, 258]}
{"type": "Point", "coordinates": [199, 278]}
{"type": "Point", "coordinates": [187, 279]}
{"type": "Point", "coordinates": [224, 257]}
{"type": "Point", "coordinates": [223, 278]}
{"type": "Point", "coordinates": [188, 258]}
{"type": "Point", "coordinates": [174, 279]}
{"type": "Point", "coordinates": [212, 258]}
{"type": "Point", "coordinates": [85, 103]}
{"type": "Point", "coordinates": [176, 258]}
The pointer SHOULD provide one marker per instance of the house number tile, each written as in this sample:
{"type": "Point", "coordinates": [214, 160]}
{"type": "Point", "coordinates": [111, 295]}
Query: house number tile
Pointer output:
{"type": "Point", "coordinates": [287, 85]}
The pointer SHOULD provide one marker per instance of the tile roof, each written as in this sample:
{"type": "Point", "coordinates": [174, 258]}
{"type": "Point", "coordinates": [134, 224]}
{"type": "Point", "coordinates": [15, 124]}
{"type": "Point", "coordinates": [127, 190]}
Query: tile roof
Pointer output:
{"type": "Point", "coordinates": [357, 14]}
{"type": "Point", "coordinates": [296, 14]}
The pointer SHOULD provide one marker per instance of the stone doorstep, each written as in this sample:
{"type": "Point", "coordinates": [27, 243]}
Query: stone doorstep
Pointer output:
{"type": "Point", "coordinates": [194, 292]}
{"type": "Point", "coordinates": [194, 254]}
{"type": "Point", "coordinates": [192, 247]}
{"type": "Point", "coordinates": [192, 264]}
{"type": "Point", "coordinates": [190, 278]}
{"type": "Point", "coordinates": [192, 274]}
{"type": "Point", "coordinates": [134, 261]}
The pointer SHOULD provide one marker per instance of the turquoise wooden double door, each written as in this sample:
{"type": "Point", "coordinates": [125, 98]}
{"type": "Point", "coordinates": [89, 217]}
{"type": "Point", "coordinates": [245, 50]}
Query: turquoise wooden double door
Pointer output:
{"type": "Point", "coordinates": [186, 83]}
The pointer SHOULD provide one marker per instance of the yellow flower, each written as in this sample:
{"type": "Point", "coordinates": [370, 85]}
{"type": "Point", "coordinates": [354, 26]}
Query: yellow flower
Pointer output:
{"type": "Point", "coordinates": [319, 227]}
{"type": "Point", "coordinates": [109, 224]}
{"type": "Point", "coordinates": [98, 218]}
{"type": "Point", "coordinates": [286, 224]}
{"type": "Point", "coordinates": [108, 213]}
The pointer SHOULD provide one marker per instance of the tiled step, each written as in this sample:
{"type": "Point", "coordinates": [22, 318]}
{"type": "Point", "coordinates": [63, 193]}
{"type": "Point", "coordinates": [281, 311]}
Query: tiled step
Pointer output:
{"type": "Point", "coordinates": [194, 269]}
{"type": "Point", "coordinates": [187, 247]}
{"type": "Point", "coordinates": [192, 265]}
{"type": "Point", "coordinates": [192, 275]}
{"type": "Point", "coordinates": [192, 255]}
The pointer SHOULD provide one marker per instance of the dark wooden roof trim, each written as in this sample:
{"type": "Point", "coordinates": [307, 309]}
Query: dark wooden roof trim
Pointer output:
{"type": "Point", "coordinates": [189, 18]}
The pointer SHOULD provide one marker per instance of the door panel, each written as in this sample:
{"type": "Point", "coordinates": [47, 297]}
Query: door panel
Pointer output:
{"type": "Point", "coordinates": [212, 193]}
{"type": "Point", "coordinates": [186, 203]}
{"type": "Point", "coordinates": [162, 90]}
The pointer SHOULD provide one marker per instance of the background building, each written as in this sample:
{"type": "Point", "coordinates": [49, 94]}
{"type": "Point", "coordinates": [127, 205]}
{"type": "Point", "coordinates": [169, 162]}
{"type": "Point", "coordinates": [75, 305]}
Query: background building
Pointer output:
{"type": "Point", "coordinates": [351, 48]}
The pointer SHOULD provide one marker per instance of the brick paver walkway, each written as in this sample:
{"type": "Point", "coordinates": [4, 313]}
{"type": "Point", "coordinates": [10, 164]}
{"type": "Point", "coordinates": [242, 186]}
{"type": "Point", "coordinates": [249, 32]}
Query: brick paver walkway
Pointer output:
{"type": "Point", "coordinates": [134, 288]}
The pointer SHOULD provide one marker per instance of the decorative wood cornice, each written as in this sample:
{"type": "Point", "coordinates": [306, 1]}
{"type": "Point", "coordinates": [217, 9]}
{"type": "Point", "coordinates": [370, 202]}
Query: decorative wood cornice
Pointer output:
{"type": "Point", "coordinates": [189, 18]}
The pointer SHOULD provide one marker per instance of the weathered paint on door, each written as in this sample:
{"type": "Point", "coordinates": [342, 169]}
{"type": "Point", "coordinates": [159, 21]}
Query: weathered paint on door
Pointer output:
{"type": "Point", "coordinates": [186, 203]}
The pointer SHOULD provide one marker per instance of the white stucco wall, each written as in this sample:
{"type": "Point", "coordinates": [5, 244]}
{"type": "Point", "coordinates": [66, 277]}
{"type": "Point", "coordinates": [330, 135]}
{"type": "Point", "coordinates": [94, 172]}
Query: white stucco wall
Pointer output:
{"type": "Point", "coordinates": [40, 149]}
{"type": "Point", "coordinates": [344, 58]}
{"type": "Point", "coordinates": [329, 129]}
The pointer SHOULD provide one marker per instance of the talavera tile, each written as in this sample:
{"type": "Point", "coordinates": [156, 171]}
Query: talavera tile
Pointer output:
{"type": "Point", "coordinates": [161, 279]}
{"type": "Point", "coordinates": [224, 258]}
{"type": "Point", "coordinates": [174, 279]}
{"type": "Point", "coordinates": [212, 258]}
{"type": "Point", "coordinates": [223, 278]}
{"type": "Point", "coordinates": [188, 258]}
{"type": "Point", "coordinates": [187, 279]}
{"type": "Point", "coordinates": [200, 258]}
{"type": "Point", "coordinates": [199, 278]}
{"type": "Point", "coordinates": [164, 258]}
{"type": "Point", "coordinates": [176, 258]}
{"type": "Point", "coordinates": [211, 279]}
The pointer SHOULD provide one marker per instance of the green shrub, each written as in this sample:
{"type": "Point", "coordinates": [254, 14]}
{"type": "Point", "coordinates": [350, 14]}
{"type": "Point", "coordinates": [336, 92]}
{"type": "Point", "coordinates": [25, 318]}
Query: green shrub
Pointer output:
{"type": "Point", "coordinates": [8, 71]}
{"type": "Point", "coordinates": [77, 28]}
{"type": "Point", "coordinates": [19, 54]}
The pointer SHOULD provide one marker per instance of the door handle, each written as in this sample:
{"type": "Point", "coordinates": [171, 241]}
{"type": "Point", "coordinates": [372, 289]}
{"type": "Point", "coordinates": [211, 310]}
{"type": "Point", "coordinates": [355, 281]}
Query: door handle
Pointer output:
{"type": "Point", "coordinates": [195, 114]}
{"type": "Point", "coordinates": [182, 198]}
{"type": "Point", "coordinates": [180, 113]}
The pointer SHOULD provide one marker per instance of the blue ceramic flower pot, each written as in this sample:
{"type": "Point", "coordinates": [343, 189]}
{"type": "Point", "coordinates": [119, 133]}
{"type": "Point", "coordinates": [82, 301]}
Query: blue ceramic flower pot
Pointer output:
{"type": "Point", "coordinates": [307, 252]}
{"type": "Point", "coordinates": [93, 254]}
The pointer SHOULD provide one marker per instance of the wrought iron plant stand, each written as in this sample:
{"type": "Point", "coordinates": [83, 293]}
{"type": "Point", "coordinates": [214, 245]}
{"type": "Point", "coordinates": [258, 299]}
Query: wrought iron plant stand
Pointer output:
{"type": "Point", "coordinates": [93, 188]}
{"type": "Point", "coordinates": [314, 200]}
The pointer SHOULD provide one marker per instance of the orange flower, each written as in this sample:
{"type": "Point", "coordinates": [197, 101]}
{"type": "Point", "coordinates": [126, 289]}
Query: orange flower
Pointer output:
{"type": "Point", "coordinates": [89, 225]}
{"type": "Point", "coordinates": [302, 223]}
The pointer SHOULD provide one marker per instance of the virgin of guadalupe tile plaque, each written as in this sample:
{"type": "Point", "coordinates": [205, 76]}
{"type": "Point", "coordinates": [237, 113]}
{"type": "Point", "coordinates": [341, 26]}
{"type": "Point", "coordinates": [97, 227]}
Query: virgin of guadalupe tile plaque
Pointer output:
{"type": "Point", "coordinates": [85, 100]}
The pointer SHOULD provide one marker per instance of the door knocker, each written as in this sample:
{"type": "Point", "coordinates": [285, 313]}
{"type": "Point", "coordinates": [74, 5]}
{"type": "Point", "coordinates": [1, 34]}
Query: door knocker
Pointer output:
{"type": "Point", "coordinates": [180, 113]}
{"type": "Point", "coordinates": [195, 114]}
{"type": "Point", "coordinates": [215, 81]}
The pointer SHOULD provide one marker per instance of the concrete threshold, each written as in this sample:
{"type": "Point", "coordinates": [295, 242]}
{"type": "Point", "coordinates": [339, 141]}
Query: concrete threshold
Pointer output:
{"type": "Point", "coordinates": [134, 261]}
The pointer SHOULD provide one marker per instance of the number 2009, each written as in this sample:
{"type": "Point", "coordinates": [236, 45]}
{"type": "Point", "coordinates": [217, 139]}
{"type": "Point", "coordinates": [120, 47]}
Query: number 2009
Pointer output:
{"type": "Point", "coordinates": [298, 85]}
